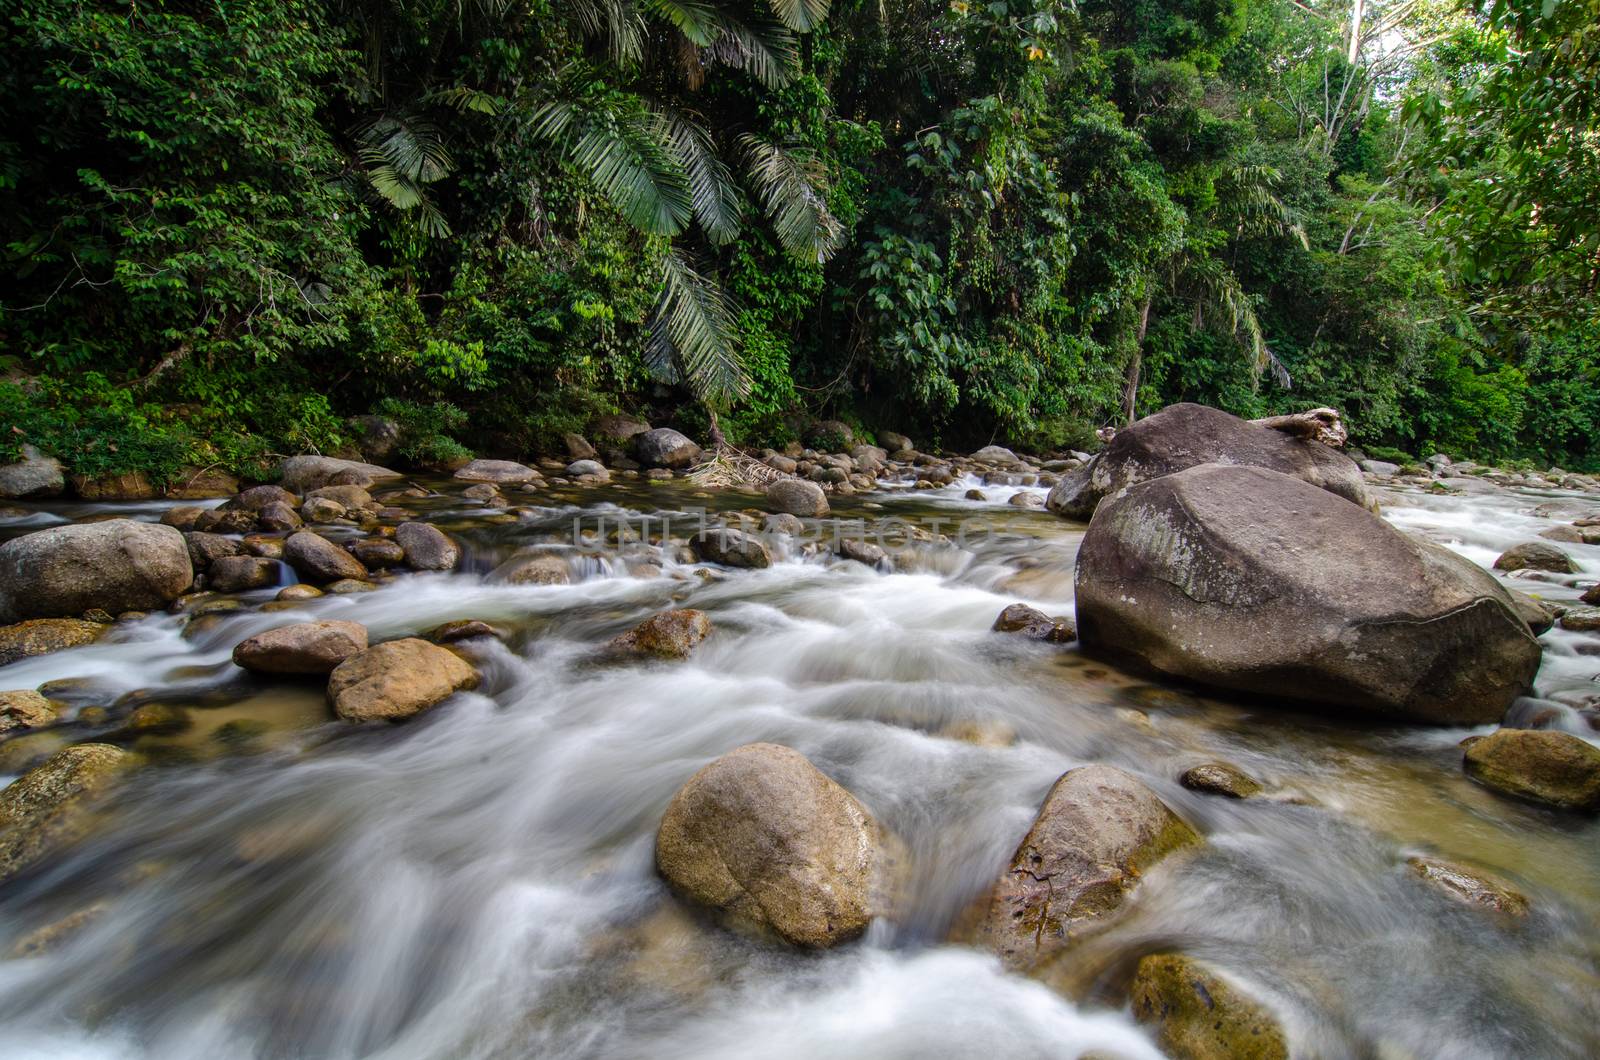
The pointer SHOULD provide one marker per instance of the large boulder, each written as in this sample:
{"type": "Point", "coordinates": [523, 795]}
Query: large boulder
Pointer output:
{"type": "Point", "coordinates": [1185, 435]}
{"type": "Point", "coordinates": [301, 648]}
{"type": "Point", "coordinates": [41, 636]}
{"type": "Point", "coordinates": [50, 806]}
{"type": "Point", "coordinates": [665, 447]}
{"type": "Point", "coordinates": [792, 496]}
{"type": "Point", "coordinates": [1255, 581]}
{"type": "Point", "coordinates": [116, 565]}
{"type": "Point", "coordinates": [1198, 1015]}
{"type": "Point", "coordinates": [499, 472]}
{"type": "Point", "coordinates": [396, 680]}
{"type": "Point", "coordinates": [301, 474]}
{"type": "Point", "coordinates": [731, 548]}
{"type": "Point", "coordinates": [1542, 765]}
{"type": "Point", "coordinates": [764, 838]}
{"type": "Point", "coordinates": [320, 560]}
{"type": "Point", "coordinates": [35, 475]}
{"type": "Point", "coordinates": [1100, 829]}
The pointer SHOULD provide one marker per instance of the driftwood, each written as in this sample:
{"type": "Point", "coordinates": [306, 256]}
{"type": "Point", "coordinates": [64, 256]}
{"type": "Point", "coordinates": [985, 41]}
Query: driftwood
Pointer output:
{"type": "Point", "coordinates": [1323, 425]}
{"type": "Point", "coordinates": [727, 468]}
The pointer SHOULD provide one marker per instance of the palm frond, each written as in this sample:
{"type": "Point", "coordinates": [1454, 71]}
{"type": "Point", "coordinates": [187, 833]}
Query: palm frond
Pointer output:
{"type": "Point", "coordinates": [717, 203]}
{"type": "Point", "coordinates": [627, 154]}
{"type": "Point", "coordinates": [412, 146]}
{"type": "Point", "coordinates": [762, 47]}
{"type": "Point", "coordinates": [700, 22]}
{"type": "Point", "coordinates": [617, 22]}
{"type": "Point", "coordinates": [787, 180]}
{"type": "Point", "coordinates": [693, 335]}
{"type": "Point", "coordinates": [802, 16]}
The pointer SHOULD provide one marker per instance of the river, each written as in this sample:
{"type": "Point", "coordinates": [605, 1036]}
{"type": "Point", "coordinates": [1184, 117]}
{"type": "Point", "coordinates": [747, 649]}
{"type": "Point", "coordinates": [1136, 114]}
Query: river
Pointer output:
{"type": "Point", "coordinates": [479, 882]}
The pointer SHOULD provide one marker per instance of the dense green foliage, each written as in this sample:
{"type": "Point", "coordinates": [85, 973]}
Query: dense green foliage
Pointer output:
{"type": "Point", "coordinates": [229, 226]}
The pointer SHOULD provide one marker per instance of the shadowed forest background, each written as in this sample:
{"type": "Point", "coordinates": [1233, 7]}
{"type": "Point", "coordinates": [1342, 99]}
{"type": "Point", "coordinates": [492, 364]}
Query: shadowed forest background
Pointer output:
{"type": "Point", "coordinates": [229, 226]}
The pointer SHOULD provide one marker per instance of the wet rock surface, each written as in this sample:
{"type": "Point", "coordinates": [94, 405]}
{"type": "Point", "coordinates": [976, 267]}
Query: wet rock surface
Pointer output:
{"type": "Point", "coordinates": [397, 680]}
{"type": "Point", "coordinates": [764, 838]}
{"type": "Point", "coordinates": [1254, 581]}
{"type": "Point", "coordinates": [1555, 768]}
{"type": "Point", "coordinates": [117, 565]}
{"type": "Point", "coordinates": [301, 648]}
{"type": "Point", "coordinates": [1199, 1015]}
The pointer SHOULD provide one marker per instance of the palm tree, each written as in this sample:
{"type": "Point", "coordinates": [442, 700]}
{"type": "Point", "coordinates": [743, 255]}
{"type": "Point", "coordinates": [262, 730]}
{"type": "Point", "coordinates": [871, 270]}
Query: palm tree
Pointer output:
{"type": "Point", "coordinates": [1247, 205]}
{"type": "Point", "coordinates": [667, 170]}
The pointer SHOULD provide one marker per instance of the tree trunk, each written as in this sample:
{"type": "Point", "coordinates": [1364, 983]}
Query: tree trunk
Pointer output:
{"type": "Point", "coordinates": [1130, 393]}
{"type": "Point", "coordinates": [1324, 425]}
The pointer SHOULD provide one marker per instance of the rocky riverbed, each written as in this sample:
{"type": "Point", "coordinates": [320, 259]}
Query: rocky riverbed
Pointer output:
{"type": "Point", "coordinates": [597, 759]}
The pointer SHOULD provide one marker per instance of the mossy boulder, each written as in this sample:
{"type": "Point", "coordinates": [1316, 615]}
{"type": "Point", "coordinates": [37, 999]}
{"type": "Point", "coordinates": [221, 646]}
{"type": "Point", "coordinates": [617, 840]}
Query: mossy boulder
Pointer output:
{"type": "Point", "coordinates": [50, 806]}
{"type": "Point", "coordinates": [1541, 765]}
{"type": "Point", "coordinates": [1198, 1015]}
{"type": "Point", "coordinates": [41, 636]}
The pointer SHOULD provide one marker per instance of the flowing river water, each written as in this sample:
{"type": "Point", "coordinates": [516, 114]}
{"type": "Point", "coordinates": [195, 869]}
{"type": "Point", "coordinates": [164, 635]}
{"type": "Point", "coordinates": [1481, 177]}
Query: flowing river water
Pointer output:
{"type": "Point", "coordinates": [479, 882]}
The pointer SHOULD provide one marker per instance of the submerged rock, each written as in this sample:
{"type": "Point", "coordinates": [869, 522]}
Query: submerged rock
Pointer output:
{"type": "Point", "coordinates": [49, 806]}
{"type": "Point", "coordinates": [1198, 1015]}
{"type": "Point", "coordinates": [461, 629]}
{"type": "Point", "coordinates": [664, 447]}
{"type": "Point", "coordinates": [41, 636]}
{"type": "Point", "coordinates": [397, 680]}
{"type": "Point", "coordinates": [1251, 580]}
{"type": "Point", "coordinates": [1542, 765]}
{"type": "Point", "coordinates": [426, 547]}
{"type": "Point", "coordinates": [319, 559]}
{"type": "Point", "coordinates": [764, 838]}
{"type": "Point", "coordinates": [1187, 435]}
{"type": "Point", "coordinates": [669, 635]}
{"type": "Point", "coordinates": [1099, 830]}
{"type": "Point", "coordinates": [1465, 885]}
{"type": "Point", "coordinates": [116, 565]}
{"type": "Point", "coordinates": [1536, 555]}
{"type": "Point", "coordinates": [731, 548]}
{"type": "Point", "coordinates": [1034, 624]}
{"type": "Point", "coordinates": [1220, 778]}
{"type": "Point", "coordinates": [302, 648]}
{"type": "Point", "coordinates": [794, 496]}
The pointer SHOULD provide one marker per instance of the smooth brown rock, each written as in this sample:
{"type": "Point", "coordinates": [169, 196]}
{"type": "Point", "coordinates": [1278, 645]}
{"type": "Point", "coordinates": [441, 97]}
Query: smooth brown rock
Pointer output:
{"type": "Point", "coordinates": [234, 574]}
{"type": "Point", "coordinates": [461, 629]}
{"type": "Point", "coordinates": [41, 636]}
{"type": "Point", "coordinates": [302, 648]}
{"type": "Point", "coordinates": [397, 680]}
{"type": "Point", "coordinates": [793, 496]}
{"type": "Point", "coordinates": [539, 568]}
{"type": "Point", "coordinates": [664, 448]}
{"type": "Point", "coordinates": [1541, 765]}
{"type": "Point", "coordinates": [764, 838]}
{"type": "Point", "coordinates": [1535, 612]}
{"type": "Point", "coordinates": [731, 548]}
{"type": "Point", "coordinates": [260, 498]}
{"type": "Point", "coordinates": [426, 547]}
{"type": "Point", "coordinates": [378, 553]}
{"type": "Point", "coordinates": [50, 806]}
{"type": "Point", "coordinates": [502, 472]}
{"type": "Point", "coordinates": [1099, 831]}
{"type": "Point", "coordinates": [1250, 580]}
{"type": "Point", "coordinates": [669, 635]}
{"type": "Point", "coordinates": [1198, 1015]}
{"type": "Point", "coordinates": [206, 548]}
{"type": "Point", "coordinates": [319, 559]}
{"type": "Point", "coordinates": [1034, 624]}
{"type": "Point", "coordinates": [1581, 619]}
{"type": "Point", "coordinates": [299, 474]}
{"type": "Point", "coordinates": [116, 565]}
